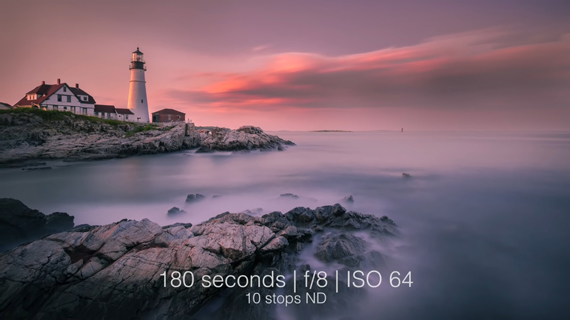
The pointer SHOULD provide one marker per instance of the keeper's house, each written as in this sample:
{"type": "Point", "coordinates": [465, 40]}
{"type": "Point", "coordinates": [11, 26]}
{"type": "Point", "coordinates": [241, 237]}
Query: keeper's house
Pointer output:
{"type": "Point", "coordinates": [60, 97]}
{"type": "Point", "coordinates": [168, 115]}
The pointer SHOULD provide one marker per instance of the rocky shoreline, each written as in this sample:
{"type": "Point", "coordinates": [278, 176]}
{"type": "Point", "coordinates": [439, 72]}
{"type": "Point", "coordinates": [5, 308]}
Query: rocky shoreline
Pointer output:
{"type": "Point", "coordinates": [114, 270]}
{"type": "Point", "coordinates": [19, 224]}
{"type": "Point", "coordinates": [36, 134]}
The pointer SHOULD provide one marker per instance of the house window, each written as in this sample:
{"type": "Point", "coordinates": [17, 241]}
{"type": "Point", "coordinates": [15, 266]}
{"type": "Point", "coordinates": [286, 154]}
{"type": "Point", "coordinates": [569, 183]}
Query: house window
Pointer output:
{"type": "Point", "coordinates": [59, 97]}
{"type": "Point", "coordinates": [127, 117]}
{"type": "Point", "coordinates": [84, 110]}
{"type": "Point", "coordinates": [68, 98]}
{"type": "Point", "coordinates": [96, 113]}
{"type": "Point", "coordinates": [64, 108]}
{"type": "Point", "coordinates": [64, 89]}
{"type": "Point", "coordinates": [84, 98]}
{"type": "Point", "coordinates": [54, 107]}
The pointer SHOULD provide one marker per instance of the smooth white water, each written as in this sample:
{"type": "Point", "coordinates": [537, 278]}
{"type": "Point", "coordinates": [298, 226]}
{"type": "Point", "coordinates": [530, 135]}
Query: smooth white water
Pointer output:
{"type": "Point", "coordinates": [484, 217]}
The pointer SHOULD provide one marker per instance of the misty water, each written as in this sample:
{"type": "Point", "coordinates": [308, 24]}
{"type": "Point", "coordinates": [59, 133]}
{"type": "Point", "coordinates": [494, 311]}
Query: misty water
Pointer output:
{"type": "Point", "coordinates": [484, 218]}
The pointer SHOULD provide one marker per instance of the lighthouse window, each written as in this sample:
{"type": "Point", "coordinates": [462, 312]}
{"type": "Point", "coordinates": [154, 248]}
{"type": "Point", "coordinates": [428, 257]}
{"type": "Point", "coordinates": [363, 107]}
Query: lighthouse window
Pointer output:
{"type": "Point", "coordinates": [141, 100]}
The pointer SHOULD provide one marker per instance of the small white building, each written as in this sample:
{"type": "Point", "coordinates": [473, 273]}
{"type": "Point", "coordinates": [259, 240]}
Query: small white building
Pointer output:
{"type": "Point", "coordinates": [60, 97]}
{"type": "Point", "coordinates": [125, 114]}
{"type": "Point", "coordinates": [104, 111]}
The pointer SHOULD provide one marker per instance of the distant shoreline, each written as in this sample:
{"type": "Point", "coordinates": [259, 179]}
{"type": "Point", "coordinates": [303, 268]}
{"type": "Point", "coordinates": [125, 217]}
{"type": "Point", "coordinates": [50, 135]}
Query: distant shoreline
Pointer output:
{"type": "Point", "coordinates": [330, 131]}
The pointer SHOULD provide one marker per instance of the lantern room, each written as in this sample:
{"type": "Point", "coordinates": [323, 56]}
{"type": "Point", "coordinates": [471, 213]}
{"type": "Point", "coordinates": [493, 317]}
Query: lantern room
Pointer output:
{"type": "Point", "coordinates": [137, 62]}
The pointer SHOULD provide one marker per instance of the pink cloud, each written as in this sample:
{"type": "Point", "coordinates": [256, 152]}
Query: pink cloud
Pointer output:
{"type": "Point", "coordinates": [488, 69]}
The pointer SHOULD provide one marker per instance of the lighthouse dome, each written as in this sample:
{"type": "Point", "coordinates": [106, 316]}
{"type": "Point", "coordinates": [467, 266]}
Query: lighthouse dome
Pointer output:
{"type": "Point", "coordinates": [137, 61]}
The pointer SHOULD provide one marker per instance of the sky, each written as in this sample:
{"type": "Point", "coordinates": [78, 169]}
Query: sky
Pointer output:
{"type": "Point", "coordinates": [304, 64]}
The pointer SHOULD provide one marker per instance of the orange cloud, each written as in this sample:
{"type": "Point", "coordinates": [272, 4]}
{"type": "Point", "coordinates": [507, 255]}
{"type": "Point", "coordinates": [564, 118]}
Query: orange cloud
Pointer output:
{"type": "Point", "coordinates": [484, 69]}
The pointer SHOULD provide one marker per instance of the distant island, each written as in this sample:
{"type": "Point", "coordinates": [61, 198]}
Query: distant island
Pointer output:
{"type": "Point", "coordinates": [330, 131]}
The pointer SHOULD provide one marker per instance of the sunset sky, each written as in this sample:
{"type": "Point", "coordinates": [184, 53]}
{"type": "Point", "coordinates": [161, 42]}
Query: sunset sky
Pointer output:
{"type": "Point", "coordinates": [306, 65]}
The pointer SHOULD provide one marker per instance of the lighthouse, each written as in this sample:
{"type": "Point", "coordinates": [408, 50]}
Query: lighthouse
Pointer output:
{"type": "Point", "coordinates": [137, 90]}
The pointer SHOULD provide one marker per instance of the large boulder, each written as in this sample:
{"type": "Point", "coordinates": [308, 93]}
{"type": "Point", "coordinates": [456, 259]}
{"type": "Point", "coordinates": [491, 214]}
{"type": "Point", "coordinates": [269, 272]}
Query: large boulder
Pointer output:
{"type": "Point", "coordinates": [349, 250]}
{"type": "Point", "coordinates": [194, 197]}
{"type": "Point", "coordinates": [19, 224]}
{"type": "Point", "coordinates": [343, 248]}
{"type": "Point", "coordinates": [174, 211]}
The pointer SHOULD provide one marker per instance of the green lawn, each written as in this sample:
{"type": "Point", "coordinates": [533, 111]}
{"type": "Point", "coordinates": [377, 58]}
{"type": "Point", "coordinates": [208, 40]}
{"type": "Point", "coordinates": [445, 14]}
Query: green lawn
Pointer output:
{"type": "Point", "coordinates": [54, 115]}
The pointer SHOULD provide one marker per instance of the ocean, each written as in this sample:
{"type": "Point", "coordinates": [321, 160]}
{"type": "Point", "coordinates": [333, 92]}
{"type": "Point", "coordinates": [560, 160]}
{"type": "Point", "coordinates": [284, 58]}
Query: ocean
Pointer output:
{"type": "Point", "coordinates": [484, 217]}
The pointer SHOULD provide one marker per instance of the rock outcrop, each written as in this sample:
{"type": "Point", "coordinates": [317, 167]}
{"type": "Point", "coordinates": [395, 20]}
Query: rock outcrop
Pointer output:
{"type": "Point", "coordinates": [175, 211]}
{"type": "Point", "coordinates": [347, 249]}
{"type": "Point", "coordinates": [243, 139]}
{"type": "Point", "coordinates": [19, 224]}
{"type": "Point", "coordinates": [289, 195]}
{"type": "Point", "coordinates": [194, 197]}
{"type": "Point", "coordinates": [348, 199]}
{"type": "Point", "coordinates": [114, 271]}
{"type": "Point", "coordinates": [36, 134]}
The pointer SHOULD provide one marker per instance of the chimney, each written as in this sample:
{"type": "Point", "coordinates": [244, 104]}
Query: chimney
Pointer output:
{"type": "Point", "coordinates": [77, 85]}
{"type": "Point", "coordinates": [43, 82]}
{"type": "Point", "coordinates": [58, 81]}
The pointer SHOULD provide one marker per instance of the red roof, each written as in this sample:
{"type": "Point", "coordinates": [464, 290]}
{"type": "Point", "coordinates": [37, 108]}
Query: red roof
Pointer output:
{"type": "Point", "coordinates": [123, 111]}
{"type": "Point", "coordinates": [78, 91]}
{"type": "Point", "coordinates": [169, 111]}
{"type": "Point", "coordinates": [46, 90]}
{"type": "Point", "coordinates": [41, 89]}
{"type": "Point", "coordinates": [104, 108]}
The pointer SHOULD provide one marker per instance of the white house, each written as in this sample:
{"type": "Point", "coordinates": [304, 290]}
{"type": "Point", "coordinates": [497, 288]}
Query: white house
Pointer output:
{"type": "Point", "coordinates": [125, 114]}
{"type": "Point", "coordinates": [60, 97]}
{"type": "Point", "coordinates": [110, 112]}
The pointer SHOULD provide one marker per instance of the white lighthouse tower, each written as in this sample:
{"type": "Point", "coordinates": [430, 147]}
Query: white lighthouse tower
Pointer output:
{"type": "Point", "coordinates": [137, 90]}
